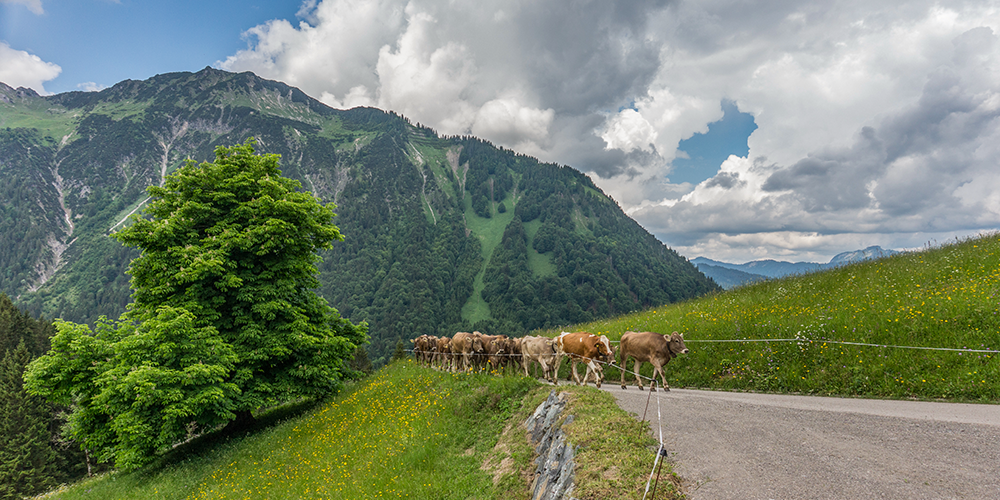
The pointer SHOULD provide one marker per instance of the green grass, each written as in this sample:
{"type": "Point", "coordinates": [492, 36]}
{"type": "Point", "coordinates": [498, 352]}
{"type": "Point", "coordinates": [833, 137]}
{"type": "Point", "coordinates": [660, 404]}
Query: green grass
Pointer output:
{"type": "Point", "coordinates": [541, 264]}
{"type": "Point", "coordinates": [946, 297]}
{"type": "Point", "coordinates": [406, 432]}
{"type": "Point", "coordinates": [53, 121]}
{"type": "Point", "coordinates": [490, 232]}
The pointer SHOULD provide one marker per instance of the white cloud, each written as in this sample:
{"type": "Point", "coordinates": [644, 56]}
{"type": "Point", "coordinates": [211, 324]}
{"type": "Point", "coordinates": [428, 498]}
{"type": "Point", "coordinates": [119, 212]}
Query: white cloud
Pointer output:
{"type": "Point", "coordinates": [507, 121]}
{"type": "Point", "coordinates": [877, 121]}
{"type": "Point", "coordinates": [628, 130]}
{"type": "Point", "coordinates": [427, 77]}
{"type": "Point", "coordinates": [91, 87]}
{"type": "Point", "coordinates": [35, 6]}
{"type": "Point", "coordinates": [21, 69]}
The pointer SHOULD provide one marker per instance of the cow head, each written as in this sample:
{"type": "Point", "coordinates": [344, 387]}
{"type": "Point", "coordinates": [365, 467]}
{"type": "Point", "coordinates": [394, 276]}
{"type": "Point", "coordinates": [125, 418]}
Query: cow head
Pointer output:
{"type": "Point", "coordinates": [675, 342]}
{"type": "Point", "coordinates": [476, 341]}
{"type": "Point", "coordinates": [604, 348]}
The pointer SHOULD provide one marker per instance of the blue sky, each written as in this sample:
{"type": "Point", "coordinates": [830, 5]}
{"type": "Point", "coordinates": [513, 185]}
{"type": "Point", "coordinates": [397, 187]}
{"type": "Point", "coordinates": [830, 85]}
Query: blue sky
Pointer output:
{"type": "Point", "coordinates": [706, 151]}
{"type": "Point", "coordinates": [102, 42]}
{"type": "Point", "coordinates": [787, 129]}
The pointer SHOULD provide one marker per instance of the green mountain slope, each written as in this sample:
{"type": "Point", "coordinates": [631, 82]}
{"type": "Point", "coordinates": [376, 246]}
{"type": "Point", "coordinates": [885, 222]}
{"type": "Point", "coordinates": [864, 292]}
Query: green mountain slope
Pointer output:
{"type": "Point", "coordinates": [442, 233]}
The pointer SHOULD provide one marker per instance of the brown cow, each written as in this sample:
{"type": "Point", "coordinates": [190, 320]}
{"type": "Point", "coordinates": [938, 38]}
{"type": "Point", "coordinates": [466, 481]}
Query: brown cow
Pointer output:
{"type": "Point", "coordinates": [443, 357]}
{"type": "Point", "coordinates": [495, 352]}
{"type": "Point", "coordinates": [588, 348]}
{"type": "Point", "coordinates": [650, 347]}
{"type": "Point", "coordinates": [464, 346]}
{"type": "Point", "coordinates": [543, 351]}
{"type": "Point", "coordinates": [422, 349]}
{"type": "Point", "coordinates": [514, 348]}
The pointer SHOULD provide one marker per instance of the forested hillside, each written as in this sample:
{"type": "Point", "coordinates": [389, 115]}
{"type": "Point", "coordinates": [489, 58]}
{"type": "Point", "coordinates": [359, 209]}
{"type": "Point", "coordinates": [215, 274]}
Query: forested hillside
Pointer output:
{"type": "Point", "coordinates": [442, 233]}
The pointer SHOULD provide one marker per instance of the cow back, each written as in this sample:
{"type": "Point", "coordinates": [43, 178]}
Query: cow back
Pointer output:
{"type": "Point", "coordinates": [582, 344]}
{"type": "Point", "coordinates": [461, 342]}
{"type": "Point", "coordinates": [643, 346]}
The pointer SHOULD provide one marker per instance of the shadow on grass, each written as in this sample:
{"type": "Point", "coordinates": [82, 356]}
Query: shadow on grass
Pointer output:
{"type": "Point", "coordinates": [200, 446]}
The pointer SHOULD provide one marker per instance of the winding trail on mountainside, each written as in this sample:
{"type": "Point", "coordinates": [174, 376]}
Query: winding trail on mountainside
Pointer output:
{"type": "Point", "coordinates": [729, 445]}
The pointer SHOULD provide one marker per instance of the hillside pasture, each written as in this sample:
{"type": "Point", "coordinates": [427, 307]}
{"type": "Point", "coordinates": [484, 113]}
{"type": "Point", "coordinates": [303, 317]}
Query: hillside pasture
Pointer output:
{"type": "Point", "coordinates": [921, 325]}
{"type": "Point", "coordinates": [405, 432]}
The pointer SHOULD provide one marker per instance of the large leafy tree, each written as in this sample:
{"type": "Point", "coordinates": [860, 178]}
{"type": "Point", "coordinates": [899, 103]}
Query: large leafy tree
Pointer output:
{"type": "Point", "coordinates": [225, 319]}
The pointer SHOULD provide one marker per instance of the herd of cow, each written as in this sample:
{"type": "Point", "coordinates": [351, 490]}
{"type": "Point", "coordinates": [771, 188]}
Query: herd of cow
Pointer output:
{"type": "Point", "coordinates": [476, 351]}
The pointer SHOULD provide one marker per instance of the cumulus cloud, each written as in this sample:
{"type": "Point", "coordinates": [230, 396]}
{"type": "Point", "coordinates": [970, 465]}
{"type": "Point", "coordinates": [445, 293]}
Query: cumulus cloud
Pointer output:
{"type": "Point", "coordinates": [521, 74]}
{"type": "Point", "coordinates": [875, 119]}
{"type": "Point", "coordinates": [21, 69]}
{"type": "Point", "coordinates": [928, 167]}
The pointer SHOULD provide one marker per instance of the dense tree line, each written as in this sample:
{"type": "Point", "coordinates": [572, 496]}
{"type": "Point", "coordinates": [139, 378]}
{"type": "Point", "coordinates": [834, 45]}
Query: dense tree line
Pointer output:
{"type": "Point", "coordinates": [34, 455]}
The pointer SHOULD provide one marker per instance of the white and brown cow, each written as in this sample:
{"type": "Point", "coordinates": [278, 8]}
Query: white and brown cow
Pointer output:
{"type": "Point", "coordinates": [587, 348]}
{"type": "Point", "coordinates": [653, 348]}
{"type": "Point", "coordinates": [541, 350]}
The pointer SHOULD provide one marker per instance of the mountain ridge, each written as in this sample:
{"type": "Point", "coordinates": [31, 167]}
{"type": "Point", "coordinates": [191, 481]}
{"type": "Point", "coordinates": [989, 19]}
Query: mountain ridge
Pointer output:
{"type": "Point", "coordinates": [442, 233]}
{"type": "Point", "coordinates": [757, 270]}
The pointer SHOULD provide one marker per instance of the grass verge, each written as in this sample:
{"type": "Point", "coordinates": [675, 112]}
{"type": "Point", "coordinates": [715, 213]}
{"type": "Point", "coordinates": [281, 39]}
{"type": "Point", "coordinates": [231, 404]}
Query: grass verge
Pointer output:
{"type": "Point", "coordinates": [406, 432]}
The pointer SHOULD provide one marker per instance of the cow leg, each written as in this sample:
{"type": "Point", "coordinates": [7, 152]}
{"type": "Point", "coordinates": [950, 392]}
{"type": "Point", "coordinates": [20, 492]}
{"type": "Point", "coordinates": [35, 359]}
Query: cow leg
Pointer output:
{"type": "Point", "coordinates": [576, 376]}
{"type": "Point", "coordinates": [598, 373]}
{"type": "Point", "coordinates": [663, 377]}
{"type": "Point", "coordinates": [635, 371]}
{"type": "Point", "coordinates": [622, 370]}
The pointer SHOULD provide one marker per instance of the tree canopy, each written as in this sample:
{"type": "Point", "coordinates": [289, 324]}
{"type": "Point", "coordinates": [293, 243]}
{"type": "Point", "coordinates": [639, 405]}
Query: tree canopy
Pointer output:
{"type": "Point", "coordinates": [225, 318]}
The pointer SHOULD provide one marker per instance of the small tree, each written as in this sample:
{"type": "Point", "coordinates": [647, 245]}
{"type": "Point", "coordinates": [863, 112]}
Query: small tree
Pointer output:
{"type": "Point", "coordinates": [225, 319]}
{"type": "Point", "coordinates": [400, 352]}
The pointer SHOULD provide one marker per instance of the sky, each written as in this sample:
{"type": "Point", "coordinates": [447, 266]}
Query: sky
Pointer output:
{"type": "Point", "coordinates": [734, 130]}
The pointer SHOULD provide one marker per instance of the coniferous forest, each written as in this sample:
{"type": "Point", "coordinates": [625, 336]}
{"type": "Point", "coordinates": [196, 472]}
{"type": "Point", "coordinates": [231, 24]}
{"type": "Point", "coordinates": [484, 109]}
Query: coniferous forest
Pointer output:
{"type": "Point", "coordinates": [35, 456]}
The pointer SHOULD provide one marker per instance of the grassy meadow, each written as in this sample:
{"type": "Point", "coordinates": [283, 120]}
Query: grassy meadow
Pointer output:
{"type": "Point", "coordinates": [405, 432]}
{"type": "Point", "coordinates": [946, 297]}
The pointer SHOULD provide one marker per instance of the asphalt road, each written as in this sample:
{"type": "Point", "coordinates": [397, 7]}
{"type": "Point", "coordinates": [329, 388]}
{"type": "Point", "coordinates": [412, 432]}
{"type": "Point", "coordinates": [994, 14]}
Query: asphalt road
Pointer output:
{"type": "Point", "coordinates": [759, 446]}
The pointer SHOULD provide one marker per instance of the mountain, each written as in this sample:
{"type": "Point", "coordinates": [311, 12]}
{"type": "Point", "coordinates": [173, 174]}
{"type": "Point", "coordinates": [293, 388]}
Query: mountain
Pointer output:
{"type": "Point", "coordinates": [872, 252]}
{"type": "Point", "coordinates": [729, 278]}
{"type": "Point", "coordinates": [730, 275]}
{"type": "Point", "coordinates": [442, 233]}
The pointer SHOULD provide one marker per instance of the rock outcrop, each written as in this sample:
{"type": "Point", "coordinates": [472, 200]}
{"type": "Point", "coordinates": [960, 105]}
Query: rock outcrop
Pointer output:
{"type": "Point", "coordinates": [554, 472]}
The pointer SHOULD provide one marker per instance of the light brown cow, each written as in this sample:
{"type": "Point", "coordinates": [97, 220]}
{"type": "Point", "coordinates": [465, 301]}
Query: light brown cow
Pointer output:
{"type": "Point", "coordinates": [514, 348]}
{"type": "Point", "coordinates": [587, 348]}
{"type": "Point", "coordinates": [543, 351]}
{"type": "Point", "coordinates": [653, 348]}
{"type": "Point", "coordinates": [443, 354]}
{"type": "Point", "coordinates": [496, 350]}
{"type": "Point", "coordinates": [464, 346]}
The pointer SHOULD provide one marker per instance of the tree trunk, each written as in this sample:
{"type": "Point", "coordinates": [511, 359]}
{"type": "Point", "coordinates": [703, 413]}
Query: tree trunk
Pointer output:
{"type": "Point", "coordinates": [243, 421]}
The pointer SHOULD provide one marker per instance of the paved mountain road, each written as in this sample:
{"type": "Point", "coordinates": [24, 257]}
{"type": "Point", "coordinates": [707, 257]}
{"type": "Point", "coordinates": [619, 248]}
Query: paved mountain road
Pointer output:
{"type": "Point", "coordinates": [760, 446]}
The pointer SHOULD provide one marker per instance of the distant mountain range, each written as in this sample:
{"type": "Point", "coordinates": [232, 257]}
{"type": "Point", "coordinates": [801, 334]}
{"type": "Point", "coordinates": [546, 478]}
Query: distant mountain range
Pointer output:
{"type": "Point", "coordinates": [732, 275]}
